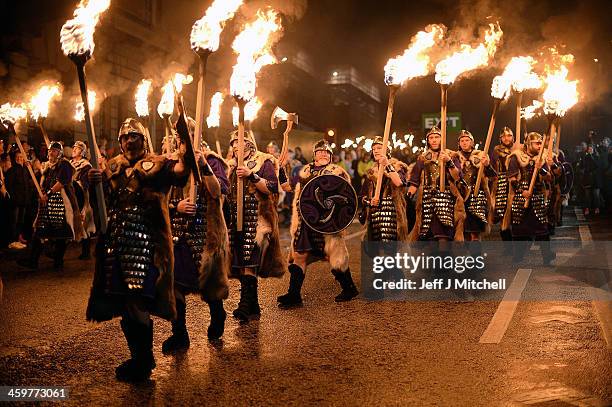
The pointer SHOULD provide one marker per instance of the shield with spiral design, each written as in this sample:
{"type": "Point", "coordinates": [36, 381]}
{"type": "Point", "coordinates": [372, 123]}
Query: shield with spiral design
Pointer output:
{"type": "Point", "coordinates": [328, 204]}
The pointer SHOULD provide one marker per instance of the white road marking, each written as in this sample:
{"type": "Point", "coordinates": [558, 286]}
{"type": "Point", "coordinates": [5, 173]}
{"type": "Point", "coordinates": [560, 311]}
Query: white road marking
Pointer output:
{"type": "Point", "coordinates": [585, 234]}
{"type": "Point", "coordinates": [579, 214]}
{"type": "Point", "coordinates": [505, 311]}
{"type": "Point", "coordinates": [602, 303]}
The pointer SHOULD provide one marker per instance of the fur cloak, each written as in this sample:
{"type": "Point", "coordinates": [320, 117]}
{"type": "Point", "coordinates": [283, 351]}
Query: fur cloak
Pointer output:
{"type": "Point", "coordinates": [459, 209]}
{"type": "Point", "coordinates": [273, 263]}
{"type": "Point", "coordinates": [153, 178]}
{"type": "Point", "coordinates": [397, 193]}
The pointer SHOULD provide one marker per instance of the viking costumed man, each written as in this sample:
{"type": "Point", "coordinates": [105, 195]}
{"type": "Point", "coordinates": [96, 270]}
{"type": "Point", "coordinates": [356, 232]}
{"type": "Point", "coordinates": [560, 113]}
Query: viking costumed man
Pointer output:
{"type": "Point", "coordinates": [529, 223]}
{"type": "Point", "coordinates": [59, 217]}
{"type": "Point", "coordinates": [309, 245]}
{"type": "Point", "coordinates": [440, 215]}
{"type": "Point", "coordinates": [80, 182]}
{"type": "Point", "coordinates": [553, 192]}
{"type": "Point", "coordinates": [385, 215]}
{"type": "Point", "coordinates": [134, 259]}
{"type": "Point", "coordinates": [500, 189]}
{"type": "Point", "coordinates": [201, 247]}
{"type": "Point", "coordinates": [476, 208]}
{"type": "Point", "coordinates": [256, 250]}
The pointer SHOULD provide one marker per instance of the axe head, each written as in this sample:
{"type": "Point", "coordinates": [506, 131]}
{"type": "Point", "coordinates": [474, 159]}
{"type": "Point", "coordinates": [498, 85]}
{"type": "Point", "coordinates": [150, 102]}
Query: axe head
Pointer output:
{"type": "Point", "coordinates": [279, 115]}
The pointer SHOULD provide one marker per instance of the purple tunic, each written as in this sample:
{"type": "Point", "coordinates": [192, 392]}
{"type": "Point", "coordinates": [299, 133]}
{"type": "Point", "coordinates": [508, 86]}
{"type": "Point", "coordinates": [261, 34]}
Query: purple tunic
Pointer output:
{"type": "Point", "coordinates": [186, 275]}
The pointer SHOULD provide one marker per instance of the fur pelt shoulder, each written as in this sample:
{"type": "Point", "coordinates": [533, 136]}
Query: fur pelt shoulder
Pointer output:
{"type": "Point", "coordinates": [398, 165]}
{"type": "Point", "coordinates": [522, 158]}
{"type": "Point", "coordinates": [427, 156]}
{"type": "Point", "coordinates": [474, 157]}
{"type": "Point", "coordinates": [306, 171]}
{"type": "Point", "coordinates": [259, 158]}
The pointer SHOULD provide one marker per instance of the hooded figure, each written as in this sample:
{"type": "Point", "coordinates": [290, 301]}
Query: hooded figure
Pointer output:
{"type": "Point", "coordinates": [134, 259]}
{"type": "Point", "coordinates": [309, 245]}
{"type": "Point", "coordinates": [256, 250]}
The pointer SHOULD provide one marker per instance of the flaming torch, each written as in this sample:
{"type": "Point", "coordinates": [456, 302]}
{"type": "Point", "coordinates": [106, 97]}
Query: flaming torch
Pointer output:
{"type": "Point", "coordinates": [560, 95]}
{"type": "Point", "coordinates": [77, 42]}
{"type": "Point", "coordinates": [520, 72]}
{"type": "Point", "coordinates": [253, 48]}
{"type": "Point", "coordinates": [165, 110]}
{"type": "Point", "coordinates": [9, 115]}
{"type": "Point", "coordinates": [39, 106]}
{"type": "Point", "coordinates": [500, 89]}
{"type": "Point", "coordinates": [204, 39]}
{"type": "Point", "coordinates": [141, 99]}
{"type": "Point", "coordinates": [529, 112]}
{"type": "Point", "coordinates": [251, 109]}
{"type": "Point", "coordinates": [79, 112]}
{"type": "Point", "coordinates": [450, 68]}
{"type": "Point", "coordinates": [413, 63]}
{"type": "Point", "coordinates": [214, 117]}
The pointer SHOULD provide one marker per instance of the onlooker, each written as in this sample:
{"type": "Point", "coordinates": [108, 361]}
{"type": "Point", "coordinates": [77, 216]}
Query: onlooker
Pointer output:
{"type": "Point", "coordinates": [20, 187]}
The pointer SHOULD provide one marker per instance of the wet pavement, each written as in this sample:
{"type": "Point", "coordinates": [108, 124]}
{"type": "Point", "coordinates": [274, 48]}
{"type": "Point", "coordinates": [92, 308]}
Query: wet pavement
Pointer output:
{"type": "Point", "coordinates": [356, 353]}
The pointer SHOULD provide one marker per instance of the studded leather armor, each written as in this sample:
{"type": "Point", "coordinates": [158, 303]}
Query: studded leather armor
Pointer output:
{"type": "Point", "coordinates": [502, 186]}
{"type": "Point", "coordinates": [537, 201]}
{"type": "Point", "coordinates": [384, 221]}
{"type": "Point", "coordinates": [130, 240]}
{"type": "Point", "coordinates": [190, 228]}
{"type": "Point", "coordinates": [441, 204]}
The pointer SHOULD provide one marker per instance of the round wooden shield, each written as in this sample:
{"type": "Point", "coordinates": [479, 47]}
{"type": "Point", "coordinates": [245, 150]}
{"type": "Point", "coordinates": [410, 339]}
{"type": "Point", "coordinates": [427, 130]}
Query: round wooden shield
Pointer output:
{"type": "Point", "coordinates": [328, 204]}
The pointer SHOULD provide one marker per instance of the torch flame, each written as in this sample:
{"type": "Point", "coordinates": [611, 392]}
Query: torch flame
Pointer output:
{"type": "Point", "coordinates": [142, 97]}
{"type": "Point", "coordinates": [517, 75]}
{"type": "Point", "coordinates": [414, 62]}
{"type": "Point", "coordinates": [179, 80]}
{"type": "Point", "coordinates": [10, 113]}
{"type": "Point", "coordinates": [39, 103]}
{"type": "Point", "coordinates": [166, 104]}
{"type": "Point", "coordinates": [214, 117]}
{"type": "Point", "coordinates": [76, 35]}
{"type": "Point", "coordinates": [250, 110]}
{"type": "Point", "coordinates": [206, 31]}
{"type": "Point", "coordinates": [79, 114]}
{"type": "Point", "coordinates": [253, 48]}
{"type": "Point", "coordinates": [529, 112]}
{"type": "Point", "coordinates": [468, 58]}
{"type": "Point", "coordinates": [560, 94]}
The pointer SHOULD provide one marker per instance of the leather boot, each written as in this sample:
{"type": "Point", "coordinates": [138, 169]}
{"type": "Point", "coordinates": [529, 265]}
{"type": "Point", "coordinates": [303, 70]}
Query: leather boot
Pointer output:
{"type": "Point", "coordinates": [179, 340]}
{"type": "Point", "coordinates": [140, 341]}
{"type": "Point", "coordinates": [293, 297]}
{"type": "Point", "coordinates": [349, 290]}
{"type": "Point", "coordinates": [248, 306]}
{"type": "Point", "coordinates": [217, 320]}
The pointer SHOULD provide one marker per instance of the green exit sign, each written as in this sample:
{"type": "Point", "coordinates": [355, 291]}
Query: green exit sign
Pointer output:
{"type": "Point", "coordinates": [453, 121]}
